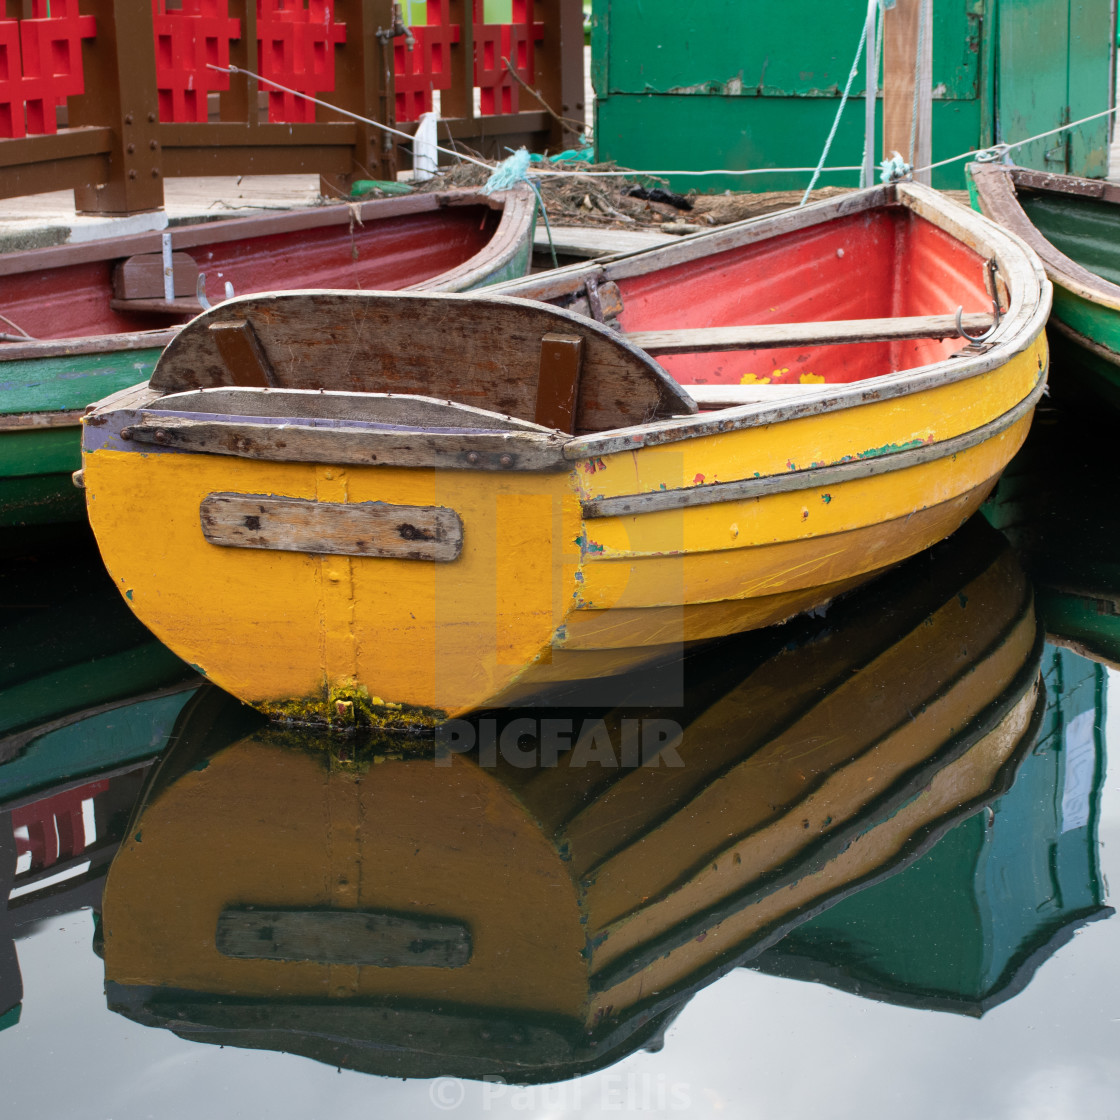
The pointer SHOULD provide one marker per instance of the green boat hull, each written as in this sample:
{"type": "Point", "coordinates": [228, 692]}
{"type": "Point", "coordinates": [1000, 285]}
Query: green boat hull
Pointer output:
{"type": "Point", "coordinates": [37, 461]}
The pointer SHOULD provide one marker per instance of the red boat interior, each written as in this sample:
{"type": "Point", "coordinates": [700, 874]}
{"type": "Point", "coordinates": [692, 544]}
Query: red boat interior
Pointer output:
{"type": "Point", "coordinates": [881, 263]}
{"type": "Point", "coordinates": [72, 300]}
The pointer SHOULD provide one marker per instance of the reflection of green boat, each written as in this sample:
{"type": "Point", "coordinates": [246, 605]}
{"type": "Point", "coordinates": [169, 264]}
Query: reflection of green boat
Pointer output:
{"type": "Point", "coordinates": [1067, 536]}
{"type": "Point", "coordinates": [967, 925]}
{"type": "Point", "coordinates": [70, 647]}
{"type": "Point", "coordinates": [65, 798]}
{"type": "Point", "coordinates": [87, 699]}
{"type": "Point", "coordinates": [488, 917]}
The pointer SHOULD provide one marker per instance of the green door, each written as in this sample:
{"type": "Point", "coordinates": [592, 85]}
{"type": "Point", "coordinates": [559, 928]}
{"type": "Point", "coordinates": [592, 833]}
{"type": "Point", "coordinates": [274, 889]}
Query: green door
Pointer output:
{"type": "Point", "coordinates": [1054, 65]}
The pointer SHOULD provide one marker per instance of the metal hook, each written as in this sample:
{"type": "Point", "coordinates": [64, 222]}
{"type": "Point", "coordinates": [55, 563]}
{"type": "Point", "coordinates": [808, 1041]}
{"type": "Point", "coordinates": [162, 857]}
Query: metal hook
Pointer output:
{"type": "Point", "coordinates": [200, 292]}
{"type": "Point", "coordinates": [993, 272]}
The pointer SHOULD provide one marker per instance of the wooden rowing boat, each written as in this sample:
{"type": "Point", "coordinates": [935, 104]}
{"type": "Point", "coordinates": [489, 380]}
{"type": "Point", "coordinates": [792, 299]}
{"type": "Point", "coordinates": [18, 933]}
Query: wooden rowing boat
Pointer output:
{"type": "Point", "coordinates": [1072, 225]}
{"type": "Point", "coordinates": [396, 508]}
{"type": "Point", "coordinates": [100, 315]}
{"type": "Point", "coordinates": [415, 917]}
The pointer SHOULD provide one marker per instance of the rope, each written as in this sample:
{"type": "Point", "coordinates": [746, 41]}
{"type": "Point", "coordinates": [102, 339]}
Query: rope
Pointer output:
{"type": "Point", "coordinates": [836, 119]}
{"type": "Point", "coordinates": [344, 112]}
{"type": "Point", "coordinates": [1003, 149]}
{"type": "Point", "coordinates": [1000, 148]}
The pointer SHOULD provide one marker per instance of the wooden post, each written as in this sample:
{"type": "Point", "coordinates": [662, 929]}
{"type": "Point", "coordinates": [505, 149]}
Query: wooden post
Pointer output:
{"type": "Point", "coordinates": [908, 50]}
{"type": "Point", "coordinates": [559, 67]}
{"type": "Point", "coordinates": [239, 103]}
{"type": "Point", "coordinates": [363, 85]}
{"type": "Point", "coordinates": [457, 102]}
{"type": "Point", "coordinates": [120, 82]}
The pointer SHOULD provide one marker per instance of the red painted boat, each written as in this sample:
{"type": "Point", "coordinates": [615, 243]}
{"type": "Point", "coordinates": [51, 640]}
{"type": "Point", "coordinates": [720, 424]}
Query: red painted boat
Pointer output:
{"type": "Point", "coordinates": [97, 315]}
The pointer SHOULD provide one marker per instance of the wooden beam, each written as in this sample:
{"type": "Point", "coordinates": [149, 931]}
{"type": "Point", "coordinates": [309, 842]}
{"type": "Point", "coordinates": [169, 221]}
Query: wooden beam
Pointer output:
{"type": "Point", "coordinates": [242, 354]}
{"type": "Point", "coordinates": [346, 937]}
{"type": "Point", "coordinates": [908, 51]}
{"type": "Point", "coordinates": [558, 381]}
{"type": "Point", "coordinates": [432, 533]}
{"type": "Point", "coordinates": [769, 336]}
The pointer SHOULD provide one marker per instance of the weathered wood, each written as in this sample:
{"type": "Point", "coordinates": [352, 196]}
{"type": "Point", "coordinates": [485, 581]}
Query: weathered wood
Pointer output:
{"type": "Point", "coordinates": [241, 351]}
{"type": "Point", "coordinates": [158, 306]}
{"type": "Point", "coordinates": [908, 59]}
{"type": "Point", "coordinates": [558, 381]}
{"type": "Point", "coordinates": [375, 408]}
{"type": "Point", "coordinates": [341, 443]}
{"type": "Point", "coordinates": [475, 350]}
{"type": "Point", "coordinates": [590, 241]}
{"type": "Point", "coordinates": [769, 335]}
{"type": "Point", "coordinates": [18, 421]}
{"type": "Point", "coordinates": [141, 277]}
{"type": "Point", "coordinates": [432, 533]}
{"type": "Point", "coordinates": [606, 304]}
{"type": "Point", "coordinates": [727, 396]}
{"type": "Point", "coordinates": [87, 344]}
{"type": "Point", "coordinates": [348, 937]}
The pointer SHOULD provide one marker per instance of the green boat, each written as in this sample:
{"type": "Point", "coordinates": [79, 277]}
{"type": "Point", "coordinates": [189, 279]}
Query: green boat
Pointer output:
{"type": "Point", "coordinates": [82, 321]}
{"type": "Point", "coordinates": [1073, 224]}
{"type": "Point", "coordinates": [967, 926]}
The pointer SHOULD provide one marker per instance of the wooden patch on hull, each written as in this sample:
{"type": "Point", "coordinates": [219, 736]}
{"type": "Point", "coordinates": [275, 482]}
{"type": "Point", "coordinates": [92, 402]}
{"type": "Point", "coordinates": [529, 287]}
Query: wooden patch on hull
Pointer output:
{"type": "Point", "coordinates": [348, 937]}
{"type": "Point", "coordinates": [432, 533]}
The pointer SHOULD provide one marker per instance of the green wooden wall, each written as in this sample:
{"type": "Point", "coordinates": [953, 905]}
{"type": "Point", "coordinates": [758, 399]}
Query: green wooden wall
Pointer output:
{"type": "Point", "coordinates": [736, 83]}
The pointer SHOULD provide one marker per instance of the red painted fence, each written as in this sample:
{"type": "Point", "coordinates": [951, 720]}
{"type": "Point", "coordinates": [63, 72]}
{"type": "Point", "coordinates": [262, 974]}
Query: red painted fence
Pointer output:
{"type": "Point", "coordinates": [141, 100]}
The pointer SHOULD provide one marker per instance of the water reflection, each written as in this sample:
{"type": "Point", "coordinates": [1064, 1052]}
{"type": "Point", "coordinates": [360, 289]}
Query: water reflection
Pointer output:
{"type": "Point", "coordinates": [1055, 505]}
{"type": "Point", "coordinates": [87, 700]}
{"type": "Point", "coordinates": [459, 911]}
{"type": "Point", "coordinates": [966, 927]}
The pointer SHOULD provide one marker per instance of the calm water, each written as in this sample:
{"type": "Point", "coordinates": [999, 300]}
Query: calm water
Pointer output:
{"type": "Point", "coordinates": [911, 918]}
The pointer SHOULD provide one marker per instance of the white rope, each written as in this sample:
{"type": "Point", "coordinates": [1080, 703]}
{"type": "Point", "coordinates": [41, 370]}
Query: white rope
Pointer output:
{"type": "Point", "coordinates": [1021, 143]}
{"type": "Point", "coordinates": [344, 112]}
{"type": "Point", "coordinates": [624, 174]}
{"type": "Point", "coordinates": [836, 119]}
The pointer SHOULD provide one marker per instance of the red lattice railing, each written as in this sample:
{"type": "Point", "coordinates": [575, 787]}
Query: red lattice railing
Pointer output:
{"type": "Point", "coordinates": [297, 49]}
{"type": "Point", "coordinates": [187, 40]}
{"type": "Point", "coordinates": [295, 44]}
{"type": "Point", "coordinates": [40, 65]}
{"type": "Point", "coordinates": [142, 104]}
{"type": "Point", "coordinates": [427, 67]}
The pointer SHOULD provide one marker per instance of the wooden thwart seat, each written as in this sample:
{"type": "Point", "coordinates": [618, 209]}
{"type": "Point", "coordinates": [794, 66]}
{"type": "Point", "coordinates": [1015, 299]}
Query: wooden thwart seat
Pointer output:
{"type": "Point", "coordinates": [697, 340]}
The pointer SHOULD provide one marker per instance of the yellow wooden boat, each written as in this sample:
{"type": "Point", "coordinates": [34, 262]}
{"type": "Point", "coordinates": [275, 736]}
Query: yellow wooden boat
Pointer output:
{"type": "Point", "coordinates": [400, 916]}
{"type": "Point", "coordinates": [395, 508]}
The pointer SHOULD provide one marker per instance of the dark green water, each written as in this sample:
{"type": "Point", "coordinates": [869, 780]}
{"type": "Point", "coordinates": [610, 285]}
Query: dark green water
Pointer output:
{"type": "Point", "coordinates": [974, 972]}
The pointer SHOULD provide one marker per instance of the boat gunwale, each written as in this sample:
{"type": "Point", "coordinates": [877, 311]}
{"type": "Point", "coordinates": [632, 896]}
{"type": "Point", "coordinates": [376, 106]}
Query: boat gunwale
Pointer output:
{"type": "Point", "coordinates": [712, 493]}
{"type": "Point", "coordinates": [997, 187]}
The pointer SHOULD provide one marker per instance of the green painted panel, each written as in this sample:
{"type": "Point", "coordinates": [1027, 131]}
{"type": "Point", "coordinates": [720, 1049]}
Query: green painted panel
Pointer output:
{"type": "Point", "coordinates": [1089, 69]}
{"type": "Point", "coordinates": [685, 132]}
{"type": "Point", "coordinates": [61, 384]}
{"type": "Point", "coordinates": [1086, 230]}
{"type": "Point", "coordinates": [801, 47]}
{"type": "Point", "coordinates": [1053, 67]}
{"type": "Point", "coordinates": [40, 451]}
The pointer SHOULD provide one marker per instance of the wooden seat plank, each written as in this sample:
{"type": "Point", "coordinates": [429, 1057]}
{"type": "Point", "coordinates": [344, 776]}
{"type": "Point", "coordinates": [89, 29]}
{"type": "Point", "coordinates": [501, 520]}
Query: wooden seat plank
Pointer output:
{"type": "Point", "coordinates": [765, 336]}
